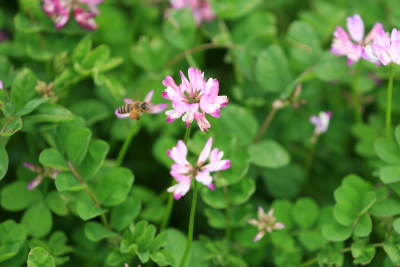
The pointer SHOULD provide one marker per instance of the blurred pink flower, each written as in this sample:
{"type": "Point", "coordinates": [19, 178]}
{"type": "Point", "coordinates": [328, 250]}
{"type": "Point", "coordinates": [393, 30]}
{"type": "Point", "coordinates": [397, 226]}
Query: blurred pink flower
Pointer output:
{"type": "Point", "coordinates": [321, 122]}
{"type": "Point", "coordinates": [192, 99]}
{"type": "Point", "coordinates": [266, 223]}
{"type": "Point", "coordinates": [84, 12]}
{"type": "Point", "coordinates": [385, 49]}
{"type": "Point", "coordinates": [152, 109]}
{"type": "Point", "coordinates": [201, 9]}
{"type": "Point", "coordinates": [1, 84]}
{"type": "Point", "coordinates": [342, 44]}
{"type": "Point", "coordinates": [47, 172]}
{"type": "Point", "coordinates": [183, 172]}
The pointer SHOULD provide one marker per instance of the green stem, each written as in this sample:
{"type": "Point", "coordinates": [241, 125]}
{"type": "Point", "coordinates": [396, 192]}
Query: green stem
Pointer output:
{"type": "Point", "coordinates": [191, 225]}
{"type": "Point", "coordinates": [356, 96]}
{"type": "Point", "coordinates": [265, 125]}
{"type": "Point", "coordinates": [310, 159]}
{"type": "Point", "coordinates": [126, 144]}
{"type": "Point", "coordinates": [170, 203]}
{"type": "Point", "coordinates": [309, 262]}
{"type": "Point", "coordinates": [389, 104]}
{"type": "Point", "coordinates": [191, 61]}
{"type": "Point", "coordinates": [228, 230]}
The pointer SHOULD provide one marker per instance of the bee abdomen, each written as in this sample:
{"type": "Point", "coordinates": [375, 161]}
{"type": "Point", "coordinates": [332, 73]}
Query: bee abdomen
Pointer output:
{"type": "Point", "coordinates": [124, 109]}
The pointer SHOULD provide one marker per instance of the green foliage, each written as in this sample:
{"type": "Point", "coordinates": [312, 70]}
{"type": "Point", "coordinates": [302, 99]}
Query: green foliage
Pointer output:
{"type": "Point", "coordinates": [40, 257]}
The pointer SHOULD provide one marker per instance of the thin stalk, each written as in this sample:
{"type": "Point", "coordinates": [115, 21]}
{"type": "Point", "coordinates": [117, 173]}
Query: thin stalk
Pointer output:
{"type": "Point", "coordinates": [389, 104]}
{"type": "Point", "coordinates": [228, 230]}
{"type": "Point", "coordinates": [191, 225]}
{"type": "Point", "coordinates": [265, 125]}
{"type": "Point", "coordinates": [310, 158]}
{"type": "Point", "coordinates": [96, 203]}
{"type": "Point", "coordinates": [356, 96]}
{"type": "Point", "coordinates": [191, 61]}
{"type": "Point", "coordinates": [170, 203]}
{"type": "Point", "coordinates": [125, 145]}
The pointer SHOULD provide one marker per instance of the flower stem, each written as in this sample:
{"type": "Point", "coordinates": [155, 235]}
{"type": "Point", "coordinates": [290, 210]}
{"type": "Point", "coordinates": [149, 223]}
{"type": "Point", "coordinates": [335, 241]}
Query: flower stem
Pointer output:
{"type": "Point", "coordinates": [191, 225]}
{"type": "Point", "coordinates": [170, 203]}
{"type": "Point", "coordinates": [265, 125]}
{"type": "Point", "coordinates": [356, 96]}
{"type": "Point", "coordinates": [125, 145]}
{"type": "Point", "coordinates": [310, 159]}
{"type": "Point", "coordinates": [389, 104]}
{"type": "Point", "coordinates": [191, 61]}
{"type": "Point", "coordinates": [228, 230]}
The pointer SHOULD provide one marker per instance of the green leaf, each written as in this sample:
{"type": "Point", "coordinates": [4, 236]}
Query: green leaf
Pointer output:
{"type": "Point", "coordinates": [330, 67]}
{"type": "Point", "coordinates": [345, 213]}
{"type": "Point", "coordinates": [66, 181]}
{"type": "Point", "coordinates": [12, 127]}
{"type": "Point", "coordinates": [232, 9]}
{"type": "Point", "coordinates": [65, 129]}
{"type": "Point", "coordinates": [216, 218]}
{"type": "Point", "coordinates": [114, 87]}
{"type": "Point", "coordinates": [56, 203]}
{"type": "Point", "coordinates": [283, 213]}
{"type": "Point", "coordinates": [393, 251]}
{"type": "Point", "coordinates": [93, 160]}
{"type": "Point", "coordinates": [113, 187]}
{"type": "Point", "coordinates": [305, 212]}
{"type": "Point", "coordinates": [3, 162]}
{"type": "Point", "coordinates": [176, 241]}
{"type": "Point", "coordinates": [268, 154]}
{"type": "Point", "coordinates": [46, 113]}
{"type": "Point", "coordinates": [57, 244]}
{"type": "Point", "coordinates": [331, 256]}
{"type": "Point", "coordinates": [82, 49]}
{"type": "Point", "coordinates": [396, 225]}
{"type": "Point", "coordinates": [87, 210]}
{"type": "Point", "coordinates": [305, 45]}
{"type": "Point", "coordinates": [163, 258]}
{"type": "Point", "coordinates": [52, 158]}
{"type": "Point", "coordinates": [336, 232]}
{"type": "Point", "coordinates": [179, 28]}
{"type": "Point", "coordinates": [385, 207]}
{"type": "Point", "coordinates": [37, 220]}
{"type": "Point", "coordinates": [146, 237]}
{"type": "Point", "coordinates": [124, 214]}
{"type": "Point", "coordinates": [348, 194]}
{"type": "Point", "coordinates": [30, 106]}
{"type": "Point", "coordinates": [362, 254]}
{"type": "Point", "coordinates": [390, 174]}
{"type": "Point", "coordinates": [91, 110]}
{"type": "Point", "coordinates": [363, 227]}
{"type": "Point", "coordinates": [286, 182]}
{"type": "Point", "coordinates": [242, 191]}
{"type": "Point", "coordinates": [272, 69]}
{"type": "Point", "coordinates": [12, 238]}
{"type": "Point", "coordinates": [96, 57]}
{"type": "Point", "coordinates": [312, 240]}
{"type": "Point", "coordinates": [77, 145]}
{"type": "Point", "coordinates": [39, 257]}
{"type": "Point", "coordinates": [23, 88]}
{"type": "Point", "coordinates": [25, 198]}
{"type": "Point", "coordinates": [24, 24]}
{"type": "Point", "coordinates": [387, 150]}
{"type": "Point", "coordinates": [96, 232]}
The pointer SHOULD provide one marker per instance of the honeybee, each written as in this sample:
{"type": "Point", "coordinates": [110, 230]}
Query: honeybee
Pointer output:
{"type": "Point", "coordinates": [135, 109]}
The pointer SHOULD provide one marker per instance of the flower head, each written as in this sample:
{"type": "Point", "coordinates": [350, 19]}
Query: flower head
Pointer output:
{"type": "Point", "coordinates": [1, 84]}
{"type": "Point", "coordinates": [385, 48]}
{"type": "Point", "coordinates": [267, 223]}
{"type": "Point", "coordinates": [353, 46]}
{"type": "Point", "coordinates": [201, 9]}
{"type": "Point", "coordinates": [84, 12]}
{"type": "Point", "coordinates": [321, 122]}
{"type": "Point", "coordinates": [47, 172]}
{"type": "Point", "coordinates": [150, 108]}
{"type": "Point", "coordinates": [193, 98]}
{"type": "Point", "coordinates": [183, 172]}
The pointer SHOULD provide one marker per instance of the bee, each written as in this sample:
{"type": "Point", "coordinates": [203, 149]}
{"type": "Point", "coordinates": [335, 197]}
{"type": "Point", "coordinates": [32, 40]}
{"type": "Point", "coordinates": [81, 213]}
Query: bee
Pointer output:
{"type": "Point", "coordinates": [135, 109]}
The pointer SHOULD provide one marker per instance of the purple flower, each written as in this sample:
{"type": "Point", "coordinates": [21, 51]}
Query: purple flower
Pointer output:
{"type": "Point", "coordinates": [266, 223]}
{"type": "Point", "coordinates": [183, 172]}
{"type": "Point", "coordinates": [193, 98]}
{"type": "Point", "coordinates": [84, 12]}
{"type": "Point", "coordinates": [1, 84]}
{"type": "Point", "coordinates": [152, 109]}
{"type": "Point", "coordinates": [385, 48]}
{"type": "Point", "coordinates": [353, 48]}
{"type": "Point", "coordinates": [321, 122]}
{"type": "Point", "coordinates": [201, 9]}
{"type": "Point", "coordinates": [47, 172]}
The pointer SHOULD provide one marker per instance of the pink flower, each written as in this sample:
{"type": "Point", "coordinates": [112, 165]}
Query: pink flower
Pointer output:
{"type": "Point", "coordinates": [321, 122]}
{"type": "Point", "coordinates": [1, 84]}
{"type": "Point", "coordinates": [47, 172]}
{"type": "Point", "coordinates": [385, 49]}
{"type": "Point", "coordinates": [266, 223]}
{"type": "Point", "coordinates": [201, 9]}
{"type": "Point", "coordinates": [193, 98]}
{"type": "Point", "coordinates": [150, 108]}
{"type": "Point", "coordinates": [342, 44]}
{"type": "Point", "coordinates": [183, 172]}
{"type": "Point", "coordinates": [84, 12]}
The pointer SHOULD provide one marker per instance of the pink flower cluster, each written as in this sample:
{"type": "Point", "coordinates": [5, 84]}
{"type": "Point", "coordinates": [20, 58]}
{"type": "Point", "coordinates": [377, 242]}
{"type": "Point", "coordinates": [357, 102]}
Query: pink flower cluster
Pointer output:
{"type": "Point", "coordinates": [183, 172]}
{"type": "Point", "coordinates": [84, 12]}
{"type": "Point", "coordinates": [201, 9]}
{"type": "Point", "coordinates": [193, 98]}
{"type": "Point", "coordinates": [267, 223]}
{"type": "Point", "coordinates": [385, 49]}
{"type": "Point", "coordinates": [353, 48]}
{"type": "Point", "coordinates": [47, 172]}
